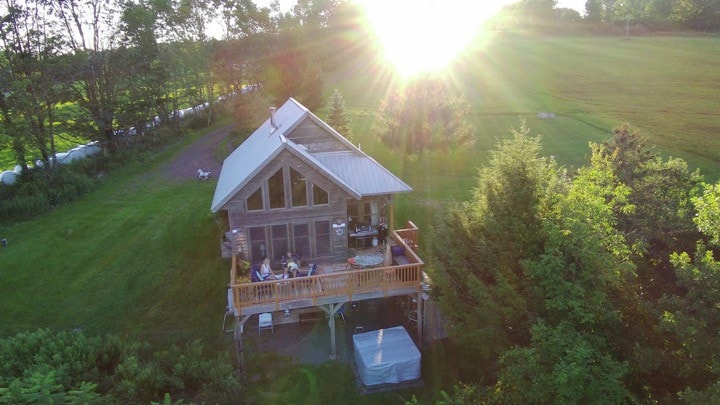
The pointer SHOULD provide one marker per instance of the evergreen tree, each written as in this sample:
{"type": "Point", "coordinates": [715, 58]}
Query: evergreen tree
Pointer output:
{"type": "Point", "coordinates": [337, 116]}
{"type": "Point", "coordinates": [479, 248]}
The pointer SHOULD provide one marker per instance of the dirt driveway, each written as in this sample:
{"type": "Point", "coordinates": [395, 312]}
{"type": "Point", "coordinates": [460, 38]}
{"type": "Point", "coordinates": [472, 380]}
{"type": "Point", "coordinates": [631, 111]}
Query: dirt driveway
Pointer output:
{"type": "Point", "coordinates": [199, 155]}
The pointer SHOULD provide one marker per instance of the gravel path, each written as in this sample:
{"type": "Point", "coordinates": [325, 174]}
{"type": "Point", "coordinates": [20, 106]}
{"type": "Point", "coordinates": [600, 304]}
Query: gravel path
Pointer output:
{"type": "Point", "coordinates": [199, 155]}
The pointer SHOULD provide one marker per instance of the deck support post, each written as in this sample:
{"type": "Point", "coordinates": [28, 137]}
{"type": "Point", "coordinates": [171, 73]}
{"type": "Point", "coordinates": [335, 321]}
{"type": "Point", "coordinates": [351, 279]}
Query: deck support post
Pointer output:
{"type": "Point", "coordinates": [331, 310]}
{"type": "Point", "coordinates": [420, 310]}
{"type": "Point", "coordinates": [239, 345]}
{"type": "Point", "coordinates": [331, 323]}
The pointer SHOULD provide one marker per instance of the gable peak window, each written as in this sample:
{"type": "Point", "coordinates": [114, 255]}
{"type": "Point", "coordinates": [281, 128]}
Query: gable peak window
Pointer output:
{"type": "Point", "coordinates": [254, 202]}
{"type": "Point", "coordinates": [320, 196]}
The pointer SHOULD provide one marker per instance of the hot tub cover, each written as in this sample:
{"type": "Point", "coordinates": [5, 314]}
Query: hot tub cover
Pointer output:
{"type": "Point", "coordinates": [386, 356]}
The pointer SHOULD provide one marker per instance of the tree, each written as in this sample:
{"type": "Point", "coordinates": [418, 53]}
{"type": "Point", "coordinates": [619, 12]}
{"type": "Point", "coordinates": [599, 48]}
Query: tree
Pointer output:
{"type": "Point", "coordinates": [698, 14]}
{"type": "Point", "coordinates": [479, 248]}
{"type": "Point", "coordinates": [31, 81]}
{"type": "Point", "coordinates": [244, 19]}
{"type": "Point", "coordinates": [561, 366]}
{"type": "Point", "coordinates": [583, 266]}
{"type": "Point", "coordinates": [424, 116]}
{"type": "Point", "coordinates": [90, 30]}
{"type": "Point", "coordinates": [337, 117]}
{"type": "Point", "coordinates": [707, 206]}
{"type": "Point", "coordinates": [662, 219]}
{"type": "Point", "coordinates": [585, 259]}
{"type": "Point", "coordinates": [593, 11]}
{"type": "Point", "coordinates": [294, 71]}
{"type": "Point", "coordinates": [146, 86]}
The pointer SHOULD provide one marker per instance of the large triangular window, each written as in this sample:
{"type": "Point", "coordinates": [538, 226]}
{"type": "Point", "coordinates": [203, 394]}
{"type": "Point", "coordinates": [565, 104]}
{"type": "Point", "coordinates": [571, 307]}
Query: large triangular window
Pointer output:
{"type": "Point", "coordinates": [320, 196]}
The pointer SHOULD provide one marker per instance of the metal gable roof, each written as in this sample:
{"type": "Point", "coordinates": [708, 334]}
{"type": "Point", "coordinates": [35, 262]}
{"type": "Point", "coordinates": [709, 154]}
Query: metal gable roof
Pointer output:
{"type": "Point", "coordinates": [362, 173]}
{"type": "Point", "coordinates": [352, 169]}
{"type": "Point", "coordinates": [258, 149]}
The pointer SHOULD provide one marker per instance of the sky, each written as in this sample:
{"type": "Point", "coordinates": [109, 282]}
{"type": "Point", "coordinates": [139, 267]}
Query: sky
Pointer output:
{"type": "Point", "coordinates": [286, 5]}
{"type": "Point", "coordinates": [578, 5]}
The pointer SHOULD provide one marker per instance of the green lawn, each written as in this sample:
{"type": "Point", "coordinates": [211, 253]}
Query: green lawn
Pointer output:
{"type": "Point", "coordinates": [138, 256]}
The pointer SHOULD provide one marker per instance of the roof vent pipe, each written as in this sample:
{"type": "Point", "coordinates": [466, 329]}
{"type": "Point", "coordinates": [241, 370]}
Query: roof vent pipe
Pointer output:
{"type": "Point", "coordinates": [273, 124]}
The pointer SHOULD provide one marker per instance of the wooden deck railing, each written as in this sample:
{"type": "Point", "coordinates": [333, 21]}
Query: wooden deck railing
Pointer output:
{"type": "Point", "coordinates": [343, 284]}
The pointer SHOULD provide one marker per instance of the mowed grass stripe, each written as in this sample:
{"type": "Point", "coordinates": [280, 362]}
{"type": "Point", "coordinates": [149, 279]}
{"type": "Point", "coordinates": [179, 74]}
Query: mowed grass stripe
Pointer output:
{"type": "Point", "coordinates": [101, 263]}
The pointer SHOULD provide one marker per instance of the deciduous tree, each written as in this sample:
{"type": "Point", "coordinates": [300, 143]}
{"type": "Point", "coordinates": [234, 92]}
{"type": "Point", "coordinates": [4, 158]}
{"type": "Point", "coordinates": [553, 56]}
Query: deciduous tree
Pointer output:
{"type": "Point", "coordinates": [424, 116]}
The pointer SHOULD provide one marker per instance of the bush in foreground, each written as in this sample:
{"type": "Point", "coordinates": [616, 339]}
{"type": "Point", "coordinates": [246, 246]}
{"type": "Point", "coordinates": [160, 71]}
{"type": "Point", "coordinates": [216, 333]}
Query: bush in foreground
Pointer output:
{"type": "Point", "coordinates": [45, 366]}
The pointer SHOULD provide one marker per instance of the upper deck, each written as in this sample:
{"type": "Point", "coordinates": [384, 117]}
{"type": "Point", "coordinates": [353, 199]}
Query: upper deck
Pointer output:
{"type": "Point", "coordinates": [332, 287]}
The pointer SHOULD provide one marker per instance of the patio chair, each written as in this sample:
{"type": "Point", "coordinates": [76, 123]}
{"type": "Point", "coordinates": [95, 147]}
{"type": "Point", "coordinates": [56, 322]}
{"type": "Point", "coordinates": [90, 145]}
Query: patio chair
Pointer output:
{"type": "Point", "coordinates": [341, 312]}
{"type": "Point", "coordinates": [312, 270]}
{"type": "Point", "coordinates": [255, 275]}
{"type": "Point", "coordinates": [265, 322]}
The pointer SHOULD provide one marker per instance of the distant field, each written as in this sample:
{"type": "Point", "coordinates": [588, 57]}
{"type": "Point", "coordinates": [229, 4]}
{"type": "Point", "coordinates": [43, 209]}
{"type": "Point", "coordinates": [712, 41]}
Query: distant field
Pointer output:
{"type": "Point", "coordinates": [667, 88]}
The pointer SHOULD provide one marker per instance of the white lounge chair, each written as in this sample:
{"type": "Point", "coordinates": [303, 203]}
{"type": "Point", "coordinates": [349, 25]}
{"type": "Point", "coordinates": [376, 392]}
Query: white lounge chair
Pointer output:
{"type": "Point", "coordinates": [265, 322]}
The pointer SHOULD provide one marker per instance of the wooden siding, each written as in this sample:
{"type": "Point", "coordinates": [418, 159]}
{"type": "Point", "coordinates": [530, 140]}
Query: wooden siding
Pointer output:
{"type": "Point", "coordinates": [315, 138]}
{"type": "Point", "coordinates": [336, 208]}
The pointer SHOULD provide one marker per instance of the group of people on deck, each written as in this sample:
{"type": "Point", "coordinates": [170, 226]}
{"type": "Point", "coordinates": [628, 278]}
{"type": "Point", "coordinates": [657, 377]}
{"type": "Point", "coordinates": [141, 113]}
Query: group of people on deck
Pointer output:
{"type": "Point", "coordinates": [290, 270]}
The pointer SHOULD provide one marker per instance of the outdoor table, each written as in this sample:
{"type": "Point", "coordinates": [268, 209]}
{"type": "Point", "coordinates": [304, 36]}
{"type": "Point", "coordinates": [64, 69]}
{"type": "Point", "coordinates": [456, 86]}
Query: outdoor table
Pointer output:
{"type": "Point", "coordinates": [369, 260]}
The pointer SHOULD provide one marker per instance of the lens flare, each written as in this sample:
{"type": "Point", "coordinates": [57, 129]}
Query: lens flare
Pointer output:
{"type": "Point", "coordinates": [425, 36]}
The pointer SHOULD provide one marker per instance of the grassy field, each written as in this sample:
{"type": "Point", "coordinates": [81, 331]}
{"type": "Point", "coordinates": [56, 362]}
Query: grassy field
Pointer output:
{"type": "Point", "coordinates": [667, 88]}
{"type": "Point", "coordinates": [140, 255]}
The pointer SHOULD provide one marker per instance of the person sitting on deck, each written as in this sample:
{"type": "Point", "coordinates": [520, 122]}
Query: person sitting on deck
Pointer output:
{"type": "Point", "coordinates": [290, 257]}
{"type": "Point", "coordinates": [291, 269]}
{"type": "Point", "coordinates": [265, 271]}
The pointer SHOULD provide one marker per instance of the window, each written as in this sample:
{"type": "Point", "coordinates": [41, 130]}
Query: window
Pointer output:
{"type": "Point", "coordinates": [320, 196]}
{"type": "Point", "coordinates": [366, 214]}
{"type": "Point", "coordinates": [254, 202]}
{"type": "Point", "coordinates": [301, 239]}
{"type": "Point", "coordinates": [375, 213]}
{"type": "Point", "coordinates": [371, 213]}
{"type": "Point", "coordinates": [353, 214]}
{"type": "Point", "coordinates": [298, 189]}
{"type": "Point", "coordinates": [258, 249]}
{"type": "Point", "coordinates": [279, 240]}
{"type": "Point", "coordinates": [276, 188]}
{"type": "Point", "coordinates": [322, 238]}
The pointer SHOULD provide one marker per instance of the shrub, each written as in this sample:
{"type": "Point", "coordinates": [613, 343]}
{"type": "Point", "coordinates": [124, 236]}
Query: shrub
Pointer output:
{"type": "Point", "coordinates": [40, 189]}
{"type": "Point", "coordinates": [44, 366]}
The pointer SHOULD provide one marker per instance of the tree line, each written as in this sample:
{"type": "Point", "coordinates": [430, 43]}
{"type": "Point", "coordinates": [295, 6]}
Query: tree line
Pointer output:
{"type": "Point", "coordinates": [545, 16]}
{"type": "Point", "coordinates": [94, 69]}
